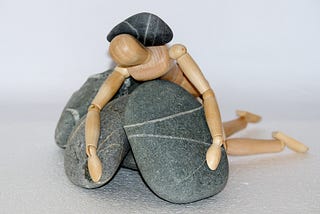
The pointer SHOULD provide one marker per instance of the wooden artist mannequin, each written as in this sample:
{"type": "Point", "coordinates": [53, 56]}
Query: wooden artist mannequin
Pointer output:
{"type": "Point", "coordinates": [174, 64]}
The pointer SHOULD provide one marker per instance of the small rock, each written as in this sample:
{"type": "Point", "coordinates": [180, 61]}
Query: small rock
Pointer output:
{"type": "Point", "coordinates": [79, 102]}
{"type": "Point", "coordinates": [148, 28]}
{"type": "Point", "coordinates": [169, 137]}
{"type": "Point", "coordinates": [112, 146]}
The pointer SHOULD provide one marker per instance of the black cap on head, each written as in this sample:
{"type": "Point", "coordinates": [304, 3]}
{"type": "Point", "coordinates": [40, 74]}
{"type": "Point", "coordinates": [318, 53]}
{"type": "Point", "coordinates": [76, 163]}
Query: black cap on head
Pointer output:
{"type": "Point", "coordinates": [148, 28]}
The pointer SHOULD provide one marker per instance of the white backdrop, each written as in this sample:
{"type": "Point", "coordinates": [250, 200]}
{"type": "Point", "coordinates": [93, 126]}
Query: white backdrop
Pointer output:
{"type": "Point", "coordinates": [262, 56]}
{"type": "Point", "coordinates": [254, 53]}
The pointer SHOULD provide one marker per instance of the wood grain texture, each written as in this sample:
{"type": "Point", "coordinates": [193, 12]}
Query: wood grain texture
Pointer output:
{"type": "Point", "coordinates": [246, 146]}
{"type": "Point", "coordinates": [189, 67]}
{"type": "Point", "coordinates": [176, 76]}
{"type": "Point", "coordinates": [92, 133]}
{"type": "Point", "coordinates": [212, 113]}
{"type": "Point", "coordinates": [108, 89]}
{"type": "Point", "coordinates": [92, 129]}
{"type": "Point", "coordinates": [126, 51]}
{"type": "Point", "coordinates": [233, 126]}
{"type": "Point", "coordinates": [290, 142]}
{"type": "Point", "coordinates": [156, 66]}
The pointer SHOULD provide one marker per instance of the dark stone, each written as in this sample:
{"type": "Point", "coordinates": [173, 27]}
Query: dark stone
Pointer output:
{"type": "Point", "coordinates": [169, 137]}
{"type": "Point", "coordinates": [79, 102]}
{"type": "Point", "coordinates": [148, 28]}
{"type": "Point", "coordinates": [112, 146]}
{"type": "Point", "coordinates": [129, 162]}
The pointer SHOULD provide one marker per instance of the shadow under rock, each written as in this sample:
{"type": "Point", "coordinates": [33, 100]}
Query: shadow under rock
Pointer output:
{"type": "Point", "coordinates": [127, 188]}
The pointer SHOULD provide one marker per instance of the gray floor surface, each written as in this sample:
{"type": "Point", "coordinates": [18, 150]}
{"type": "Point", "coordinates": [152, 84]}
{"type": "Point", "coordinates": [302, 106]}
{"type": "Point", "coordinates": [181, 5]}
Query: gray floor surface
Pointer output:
{"type": "Point", "coordinates": [33, 180]}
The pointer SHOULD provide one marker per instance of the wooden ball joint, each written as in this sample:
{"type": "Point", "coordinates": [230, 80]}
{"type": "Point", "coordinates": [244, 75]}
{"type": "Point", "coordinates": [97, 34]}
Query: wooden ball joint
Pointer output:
{"type": "Point", "coordinates": [176, 51]}
{"type": "Point", "coordinates": [136, 58]}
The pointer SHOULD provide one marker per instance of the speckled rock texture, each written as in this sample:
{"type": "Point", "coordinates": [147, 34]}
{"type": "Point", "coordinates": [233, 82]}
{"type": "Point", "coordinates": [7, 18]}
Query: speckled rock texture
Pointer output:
{"type": "Point", "coordinates": [113, 146]}
{"type": "Point", "coordinates": [79, 102]}
{"type": "Point", "coordinates": [169, 138]}
{"type": "Point", "coordinates": [148, 28]}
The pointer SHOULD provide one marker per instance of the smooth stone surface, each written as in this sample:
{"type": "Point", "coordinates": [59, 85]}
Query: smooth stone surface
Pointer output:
{"type": "Point", "coordinates": [112, 146]}
{"type": "Point", "coordinates": [169, 138]}
{"type": "Point", "coordinates": [148, 28]}
{"type": "Point", "coordinates": [79, 102]}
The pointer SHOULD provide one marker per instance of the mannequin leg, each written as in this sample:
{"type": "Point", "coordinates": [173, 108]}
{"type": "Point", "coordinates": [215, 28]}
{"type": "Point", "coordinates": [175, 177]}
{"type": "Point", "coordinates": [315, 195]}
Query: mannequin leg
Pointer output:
{"type": "Point", "coordinates": [233, 126]}
{"type": "Point", "coordinates": [246, 146]}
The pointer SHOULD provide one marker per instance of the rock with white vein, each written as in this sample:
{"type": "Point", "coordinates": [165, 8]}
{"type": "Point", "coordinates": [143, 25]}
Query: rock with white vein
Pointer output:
{"type": "Point", "coordinates": [79, 102]}
{"type": "Point", "coordinates": [148, 28]}
{"type": "Point", "coordinates": [169, 137]}
{"type": "Point", "coordinates": [113, 146]}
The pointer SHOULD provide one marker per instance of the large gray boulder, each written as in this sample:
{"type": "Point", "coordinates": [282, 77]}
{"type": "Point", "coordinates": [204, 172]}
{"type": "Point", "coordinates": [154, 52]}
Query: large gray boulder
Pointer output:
{"type": "Point", "coordinates": [169, 137]}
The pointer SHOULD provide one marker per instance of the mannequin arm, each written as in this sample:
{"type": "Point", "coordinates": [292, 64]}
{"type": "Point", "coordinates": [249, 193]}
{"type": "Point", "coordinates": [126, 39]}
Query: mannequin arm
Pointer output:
{"type": "Point", "coordinates": [211, 108]}
{"type": "Point", "coordinates": [92, 127]}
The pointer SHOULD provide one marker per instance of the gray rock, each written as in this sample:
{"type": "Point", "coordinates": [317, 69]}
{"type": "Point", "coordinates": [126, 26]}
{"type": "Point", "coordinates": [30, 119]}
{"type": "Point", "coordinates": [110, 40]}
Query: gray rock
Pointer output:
{"type": "Point", "coordinates": [129, 162]}
{"type": "Point", "coordinates": [148, 28]}
{"type": "Point", "coordinates": [112, 146]}
{"type": "Point", "coordinates": [79, 102]}
{"type": "Point", "coordinates": [169, 137]}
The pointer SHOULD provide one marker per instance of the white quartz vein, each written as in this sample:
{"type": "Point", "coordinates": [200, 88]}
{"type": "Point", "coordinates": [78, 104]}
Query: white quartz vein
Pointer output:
{"type": "Point", "coordinates": [174, 138]}
{"type": "Point", "coordinates": [166, 137]}
{"type": "Point", "coordinates": [164, 118]}
{"type": "Point", "coordinates": [74, 133]}
{"type": "Point", "coordinates": [133, 28]}
{"type": "Point", "coordinates": [147, 28]}
{"type": "Point", "coordinates": [74, 113]}
{"type": "Point", "coordinates": [192, 173]}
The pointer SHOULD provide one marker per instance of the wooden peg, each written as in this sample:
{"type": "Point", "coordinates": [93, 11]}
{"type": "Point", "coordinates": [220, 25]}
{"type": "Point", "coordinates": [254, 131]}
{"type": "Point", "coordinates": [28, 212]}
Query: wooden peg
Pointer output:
{"type": "Point", "coordinates": [246, 146]}
{"type": "Point", "coordinates": [291, 143]}
{"type": "Point", "coordinates": [250, 117]}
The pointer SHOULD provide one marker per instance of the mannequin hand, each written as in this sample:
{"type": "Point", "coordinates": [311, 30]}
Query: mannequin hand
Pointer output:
{"type": "Point", "coordinates": [94, 164]}
{"type": "Point", "coordinates": [214, 153]}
